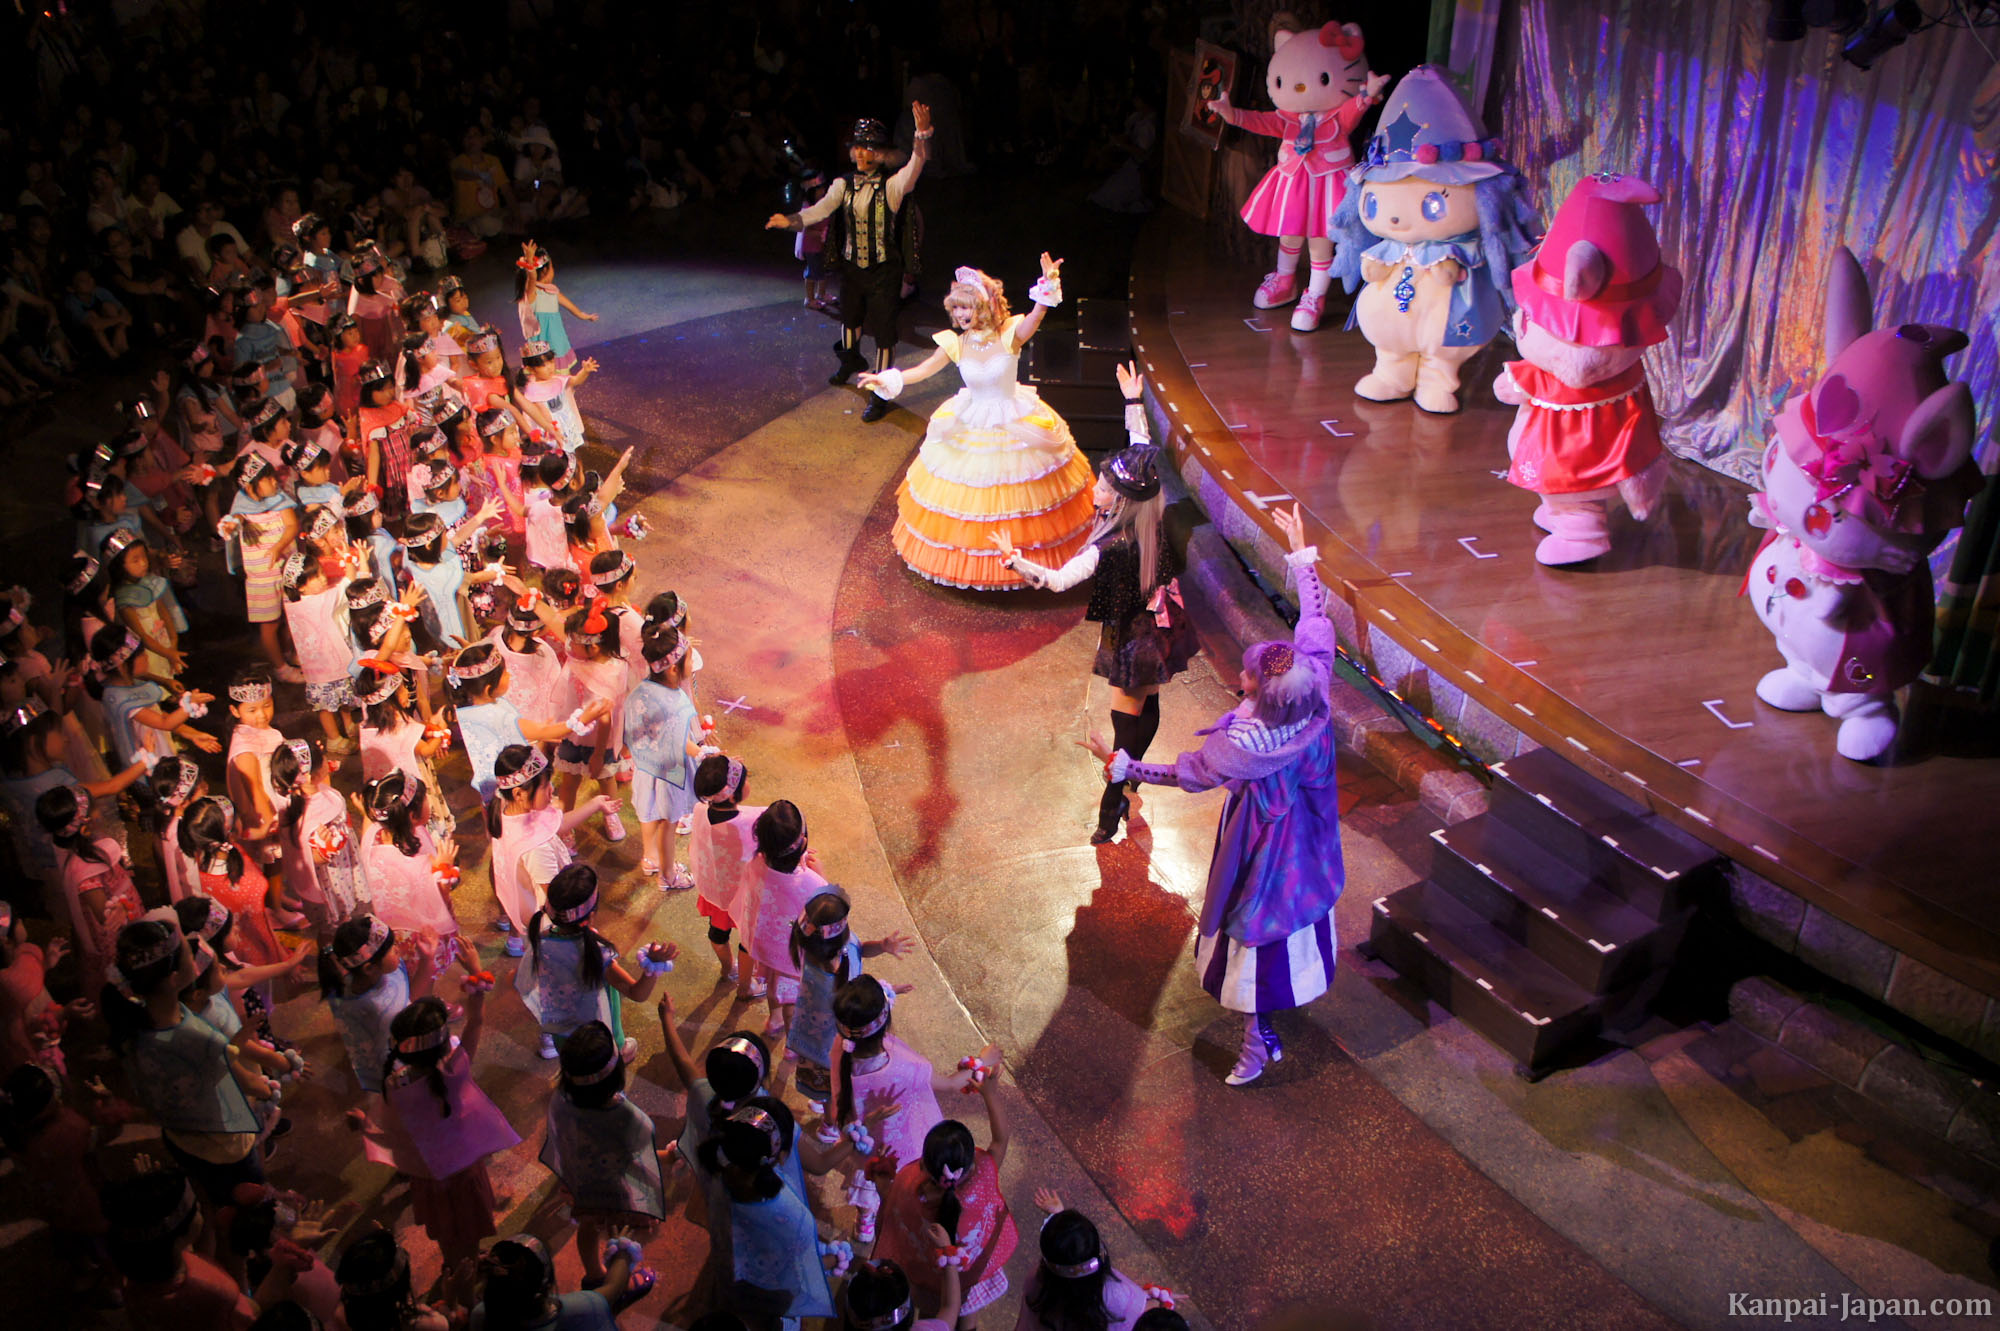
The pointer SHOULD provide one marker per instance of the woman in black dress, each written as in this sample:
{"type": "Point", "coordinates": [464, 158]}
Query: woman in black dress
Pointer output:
{"type": "Point", "coordinates": [1146, 638]}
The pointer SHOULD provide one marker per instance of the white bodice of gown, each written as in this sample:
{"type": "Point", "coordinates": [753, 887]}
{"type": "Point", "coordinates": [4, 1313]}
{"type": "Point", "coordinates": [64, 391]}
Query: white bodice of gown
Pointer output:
{"type": "Point", "coordinates": [993, 395]}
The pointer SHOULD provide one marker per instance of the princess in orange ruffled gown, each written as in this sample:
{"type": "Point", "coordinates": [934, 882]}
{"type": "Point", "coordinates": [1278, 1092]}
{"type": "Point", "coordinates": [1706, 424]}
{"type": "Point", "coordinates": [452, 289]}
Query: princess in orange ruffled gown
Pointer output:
{"type": "Point", "coordinates": [995, 457]}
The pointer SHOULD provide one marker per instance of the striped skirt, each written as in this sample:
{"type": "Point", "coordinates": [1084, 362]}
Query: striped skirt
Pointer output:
{"type": "Point", "coordinates": [1294, 203]}
{"type": "Point", "coordinates": [1288, 973]}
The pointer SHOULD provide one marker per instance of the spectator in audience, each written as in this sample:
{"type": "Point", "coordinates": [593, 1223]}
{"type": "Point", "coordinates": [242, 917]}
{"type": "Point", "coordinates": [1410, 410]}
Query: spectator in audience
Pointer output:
{"type": "Point", "coordinates": [192, 242]}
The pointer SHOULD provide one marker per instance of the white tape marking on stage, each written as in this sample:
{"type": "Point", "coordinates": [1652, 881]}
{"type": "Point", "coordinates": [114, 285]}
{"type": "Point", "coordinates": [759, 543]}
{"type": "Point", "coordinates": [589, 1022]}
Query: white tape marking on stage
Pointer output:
{"type": "Point", "coordinates": [893, 744]}
{"type": "Point", "coordinates": [1577, 742]}
{"type": "Point", "coordinates": [1497, 475]}
{"type": "Point", "coordinates": [1149, 367]}
{"type": "Point", "coordinates": [1697, 813]}
{"type": "Point", "coordinates": [1632, 776]}
{"type": "Point", "coordinates": [1467, 541]}
{"type": "Point", "coordinates": [1688, 762]}
{"type": "Point", "coordinates": [1765, 853]}
{"type": "Point", "coordinates": [1406, 573]}
{"type": "Point", "coordinates": [739, 704]}
{"type": "Point", "coordinates": [1523, 665]}
{"type": "Point", "coordinates": [1252, 325]}
{"type": "Point", "coordinates": [1226, 474]}
{"type": "Point", "coordinates": [1337, 434]}
{"type": "Point", "coordinates": [1714, 705]}
{"type": "Point", "coordinates": [1429, 646]}
{"type": "Point", "coordinates": [1524, 709]}
{"type": "Point", "coordinates": [1263, 501]}
{"type": "Point", "coordinates": [1192, 365]}
{"type": "Point", "coordinates": [1389, 615]}
{"type": "Point", "coordinates": [1476, 679]}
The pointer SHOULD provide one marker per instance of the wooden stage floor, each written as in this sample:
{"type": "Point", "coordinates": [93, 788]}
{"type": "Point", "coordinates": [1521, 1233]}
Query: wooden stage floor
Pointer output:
{"type": "Point", "coordinates": [1641, 667]}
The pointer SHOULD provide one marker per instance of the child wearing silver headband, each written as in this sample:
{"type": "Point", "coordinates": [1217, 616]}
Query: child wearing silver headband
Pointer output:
{"type": "Point", "coordinates": [828, 954]}
{"type": "Point", "coordinates": [1075, 1285]}
{"type": "Point", "coordinates": [720, 848]}
{"type": "Point", "coordinates": [142, 717]}
{"type": "Point", "coordinates": [878, 1298]}
{"type": "Point", "coordinates": [261, 528]}
{"type": "Point", "coordinates": [526, 831]}
{"type": "Point", "coordinates": [383, 425]}
{"type": "Point", "coordinates": [489, 722]}
{"type": "Point", "coordinates": [572, 975]}
{"type": "Point", "coordinates": [665, 737]}
{"type": "Point", "coordinates": [363, 978]}
{"type": "Point", "coordinates": [486, 381]}
{"type": "Point", "coordinates": [602, 1148]}
{"type": "Point", "coordinates": [249, 785]}
{"type": "Point", "coordinates": [776, 887]}
{"type": "Point", "coordinates": [176, 784]}
{"type": "Point", "coordinates": [96, 878]}
{"type": "Point", "coordinates": [436, 1125]}
{"type": "Point", "coordinates": [1145, 638]}
{"type": "Point", "coordinates": [145, 601]}
{"type": "Point", "coordinates": [953, 1186]}
{"type": "Point", "coordinates": [316, 613]}
{"type": "Point", "coordinates": [545, 389]}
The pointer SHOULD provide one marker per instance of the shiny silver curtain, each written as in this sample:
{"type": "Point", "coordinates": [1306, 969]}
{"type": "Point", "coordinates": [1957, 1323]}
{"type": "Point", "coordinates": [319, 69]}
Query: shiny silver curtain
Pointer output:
{"type": "Point", "coordinates": [1768, 156]}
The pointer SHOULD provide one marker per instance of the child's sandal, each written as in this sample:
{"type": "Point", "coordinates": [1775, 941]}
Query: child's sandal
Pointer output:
{"type": "Point", "coordinates": [637, 1287]}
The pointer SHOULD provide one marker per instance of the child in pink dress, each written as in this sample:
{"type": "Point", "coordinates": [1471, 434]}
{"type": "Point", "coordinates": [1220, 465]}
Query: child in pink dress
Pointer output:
{"type": "Point", "coordinates": [437, 1126]}
{"type": "Point", "coordinates": [541, 684]}
{"type": "Point", "coordinates": [316, 612]}
{"type": "Point", "coordinates": [720, 848]}
{"type": "Point", "coordinates": [322, 854]}
{"type": "Point", "coordinates": [545, 388]}
{"type": "Point", "coordinates": [409, 875]}
{"type": "Point", "coordinates": [597, 672]}
{"type": "Point", "coordinates": [96, 880]}
{"type": "Point", "coordinates": [249, 783]}
{"type": "Point", "coordinates": [773, 890]}
{"type": "Point", "coordinates": [374, 310]}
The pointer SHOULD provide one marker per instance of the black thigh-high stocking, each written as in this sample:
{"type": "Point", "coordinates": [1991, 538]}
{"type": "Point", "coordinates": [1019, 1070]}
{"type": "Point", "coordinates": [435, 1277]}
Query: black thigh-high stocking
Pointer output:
{"type": "Point", "coordinates": [1124, 738]}
{"type": "Point", "coordinates": [1149, 726]}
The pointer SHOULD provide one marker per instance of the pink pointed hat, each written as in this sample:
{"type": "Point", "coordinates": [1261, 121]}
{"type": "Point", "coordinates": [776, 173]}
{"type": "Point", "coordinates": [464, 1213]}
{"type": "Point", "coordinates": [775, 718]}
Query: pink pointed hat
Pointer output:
{"type": "Point", "coordinates": [1598, 279]}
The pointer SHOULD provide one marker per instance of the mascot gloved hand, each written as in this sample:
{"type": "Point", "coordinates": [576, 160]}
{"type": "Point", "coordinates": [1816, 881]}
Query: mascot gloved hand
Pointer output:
{"type": "Point", "coordinates": [1319, 81]}
{"type": "Point", "coordinates": [1432, 224]}
{"type": "Point", "coordinates": [1871, 470]}
{"type": "Point", "coordinates": [1594, 297]}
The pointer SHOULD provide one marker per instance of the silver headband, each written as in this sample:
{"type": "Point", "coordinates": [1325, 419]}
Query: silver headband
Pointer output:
{"type": "Point", "coordinates": [761, 1120]}
{"type": "Point", "coordinates": [888, 1321]}
{"type": "Point", "coordinates": [251, 692]}
{"type": "Point", "coordinates": [86, 572]}
{"type": "Point", "coordinates": [736, 1044]}
{"type": "Point", "coordinates": [611, 575]}
{"type": "Point", "coordinates": [253, 467]}
{"type": "Point", "coordinates": [611, 1065]}
{"type": "Point", "coordinates": [374, 594]}
{"type": "Point", "coordinates": [670, 660]}
{"type": "Point", "coordinates": [458, 674]}
{"type": "Point", "coordinates": [214, 919]}
{"type": "Point", "coordinates": [379, 937]}
{"type": "Point", "coordinates": [189, 776]}
{"type": "Point", "coordinates": [730, 785]}
{"type": "Point", "coordinates": [537, 763]}
{"type": "Point", "coordinates": [583, 909]}
{"type": "Point", "coordinates": [168, 1223]}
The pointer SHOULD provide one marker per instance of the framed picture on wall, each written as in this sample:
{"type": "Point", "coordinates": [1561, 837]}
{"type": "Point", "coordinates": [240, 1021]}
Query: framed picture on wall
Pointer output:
{"type": "Point", "coordinates": [1214, 74]}
{"type": "Point", "coordinates": [1187, 160]}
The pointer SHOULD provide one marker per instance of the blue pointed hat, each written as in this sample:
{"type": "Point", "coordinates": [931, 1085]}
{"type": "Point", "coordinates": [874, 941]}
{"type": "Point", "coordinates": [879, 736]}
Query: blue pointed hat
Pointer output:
{"type": "Point", "coordinates": [1426, 129]}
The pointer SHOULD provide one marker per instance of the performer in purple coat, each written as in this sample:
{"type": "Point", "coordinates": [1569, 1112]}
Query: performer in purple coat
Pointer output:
{"type": "Point", "coordinates": [1267, 921]}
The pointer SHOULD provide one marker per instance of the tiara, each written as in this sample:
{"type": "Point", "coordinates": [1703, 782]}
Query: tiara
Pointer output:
{"type": "Point", "coordinates": [118, 657]}
{"type": "Point", "coordinates": [302, 751]}
{"type": "Point", "coordinates": [497, 426]}
{"type": "Point", "coordinates": [458, 674]}
{"type": "Point", "coordinates": [374, 594]}
{"type": "Point", "coordinates": [265, 414]}
{"type": "Point", "coordinates": [736, 1044]}
{"type": "Point", "coordinates": [388, 684]}
{"type": "Point", "coordinates": [215, 918]}
{"type": "Point", "coordinates": [253, 467]}
{"type": "Point", "coordinates": [888, 1321]}
{"type": "Point", "coordinates": [483, 343]}
{"type": "Point", "coordinates": [323, 523]}
{"type": "Point", "coordinates": [250, 692]}
{"type": "Point", "coordinates": [417, 1044]}
{"type": "Point", "coordinates": [612, 575]}
{"type": "Point", "coordinates": [379, 937]}
{"type": "Point", "coordinates": [835, 929]}
{"type": "Point", "coordinates": [1276, 662]}
{"type": "Point", "coordinates": [374, 372]}
{"type": "Point", "coordinates": [611, 1065]}
{"type": "Point", "coordinates": [85, 574]}
{"type": "Point", "coordinates": [537, 351]}
{"type": "Point", "coordinates": [730, 784]}
{"type": "Point", "coordinates": [536, 764]}
{"type": "Point", "coordinates": [581, 910]}
{"type": "Point", "coordinates": [671, 659]}
{"type": "Point", "coordinates": [306, 455]}
{"type": "Point", "coordinates": [881, 1018]}
{"type": "Point", "coordinates": [406, 796]}
{"type": "Point", "coordinates": [168, 1223]}
{"type": "Point", "coordinates": [118, 542]}
{"type": "Point", "coordinates": [166, 947]}
{"type": "Point", "coordinates": [80, 814]}
{"type": "Point", "coordinates": [761, 1120]}
{"type": "Point", "coordinates": [970, 277]}
{"type": "Point", "coordinates": [293, 570]}
{"type": "Point", "coordinates": [366, 503]}
{"type": "Point", "coordinates": [186, 778]}
{"type": "Point", "coordinates": [20, 716]}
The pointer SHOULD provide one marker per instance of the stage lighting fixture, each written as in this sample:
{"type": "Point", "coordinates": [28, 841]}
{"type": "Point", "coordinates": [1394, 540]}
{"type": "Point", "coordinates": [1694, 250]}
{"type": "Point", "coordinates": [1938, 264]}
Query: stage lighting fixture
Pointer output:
{"type": "Point", "coordinates": [1891, 26]}
{"type": "Point", "coordinates": [1786, 22]}
{"type": "Point", "coordinates": [1842, 16]}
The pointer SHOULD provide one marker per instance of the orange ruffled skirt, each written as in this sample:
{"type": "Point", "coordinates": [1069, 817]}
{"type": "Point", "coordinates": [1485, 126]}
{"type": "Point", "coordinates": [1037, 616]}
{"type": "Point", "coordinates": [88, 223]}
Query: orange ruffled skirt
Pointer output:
{"type": "Point", "coordinates": [1023, 476]}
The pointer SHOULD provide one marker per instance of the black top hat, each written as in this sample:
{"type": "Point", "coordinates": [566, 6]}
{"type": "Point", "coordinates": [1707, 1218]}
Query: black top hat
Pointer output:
{"type": "Point", "coordinates": [1134, 471]}
{"type": "Point", "coordinates": [868, 133]}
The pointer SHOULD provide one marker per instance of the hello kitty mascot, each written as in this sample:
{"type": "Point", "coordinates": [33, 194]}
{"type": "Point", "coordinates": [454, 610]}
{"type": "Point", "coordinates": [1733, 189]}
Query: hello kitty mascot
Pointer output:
{"type": "Point", "coordinates": [1433, 223]}
{"type": "Point", "coordinates": [1320, 83]}
{"type": "Point", "coordinates": [1594, 297]}
{"type": "Point", "coordinates": [1871, 469]}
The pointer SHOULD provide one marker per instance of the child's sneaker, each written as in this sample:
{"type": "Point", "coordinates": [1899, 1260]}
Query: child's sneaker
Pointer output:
{"type": "Point", "coordinates": [685, 827]}
{"type": "Point", "coordinates": [629, 1050]}
{"type": "Point", "coordinates": [614, 828]}
{"type": "Point", "coordinates": [514, 946]}
{"type": "Point", "coordinates": [548, 1046]}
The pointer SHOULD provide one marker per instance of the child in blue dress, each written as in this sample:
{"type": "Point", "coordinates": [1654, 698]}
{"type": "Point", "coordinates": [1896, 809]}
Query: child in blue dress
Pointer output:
{"type": "Point", "coordinates": [572, 975]}
{"type": "Point", "coordinates": [488, 723]}
{"type": "Point", "coordinates": [828, 955]}
{"type": "Point", "coordinates": [540, 303]}
{"type": "Point", "coordinates": [665, 738]}
{"type": "Point", "coordinates": [604, 1149]}
{"type": "Point", "coordinates": [363, 978]}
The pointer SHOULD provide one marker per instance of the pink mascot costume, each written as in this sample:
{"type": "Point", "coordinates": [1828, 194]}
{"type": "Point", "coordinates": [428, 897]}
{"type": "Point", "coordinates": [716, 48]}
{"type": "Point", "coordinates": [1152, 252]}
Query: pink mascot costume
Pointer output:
{"type": "Point", "coordinates": [1320, 83]}
{"type": "Point", "coordinates": [1592, 299]}
{"type": "Point", "coordinates": [1870, 470]}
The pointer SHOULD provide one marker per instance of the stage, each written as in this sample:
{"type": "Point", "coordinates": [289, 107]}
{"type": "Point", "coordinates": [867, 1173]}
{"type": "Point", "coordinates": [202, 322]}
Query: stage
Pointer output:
{"type": "Point", "coordinates": [1641, 667]}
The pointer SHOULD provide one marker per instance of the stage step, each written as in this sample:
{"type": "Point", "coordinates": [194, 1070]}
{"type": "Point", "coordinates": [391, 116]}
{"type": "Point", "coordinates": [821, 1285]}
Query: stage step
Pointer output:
{"type": "Point", "coordinates": [1080, 384]}
{"type": "Point", "coordinates": [1477, 973]}
{"type": "Point", "coordinates": [1563, 903]}
{"type": "Point", "coordinates": [1104, 325]}
{"type": "Point", "coordinates": [1592, 827]}
{"type": "Point", "coordinates": [1589, 934]}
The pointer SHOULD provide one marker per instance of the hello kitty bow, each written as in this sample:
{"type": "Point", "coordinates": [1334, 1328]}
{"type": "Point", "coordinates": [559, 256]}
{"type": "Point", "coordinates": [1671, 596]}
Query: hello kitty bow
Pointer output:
{"type": "Point", "coordinates": [1851, 466]}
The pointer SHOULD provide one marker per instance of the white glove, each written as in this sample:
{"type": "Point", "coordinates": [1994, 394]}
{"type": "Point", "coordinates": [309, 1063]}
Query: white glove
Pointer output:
{"type": "Point", "coordinates": [889, 384]}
